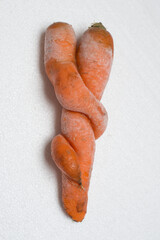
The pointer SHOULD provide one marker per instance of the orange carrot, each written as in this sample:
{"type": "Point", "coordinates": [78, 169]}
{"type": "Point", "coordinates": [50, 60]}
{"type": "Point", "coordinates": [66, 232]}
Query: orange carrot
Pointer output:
{"type": "Point", "coordinates": [84, 118]}
{"type": "Point", "coordinates": [66, 158]}
{"type": "Point", "coordinates": [94, 58]}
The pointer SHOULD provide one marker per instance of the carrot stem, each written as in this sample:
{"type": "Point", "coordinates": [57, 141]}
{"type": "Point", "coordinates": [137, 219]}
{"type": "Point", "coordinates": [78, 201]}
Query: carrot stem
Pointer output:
{"type": "Point", "coordinates": [98, 25]}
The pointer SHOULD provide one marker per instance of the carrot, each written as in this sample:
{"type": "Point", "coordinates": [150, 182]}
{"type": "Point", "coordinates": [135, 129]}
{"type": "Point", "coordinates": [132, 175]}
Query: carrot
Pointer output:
{"type": "Point", "coordinates": [84, 118]}
{"type": "Point", "coordinates": [94, 58]}
{"type": "Point", "coordinates": [65, 158]}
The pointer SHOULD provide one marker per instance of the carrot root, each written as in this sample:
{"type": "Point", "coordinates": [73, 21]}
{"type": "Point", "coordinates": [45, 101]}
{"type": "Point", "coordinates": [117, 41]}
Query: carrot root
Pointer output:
{"type": "Point", "coordinates": [79, 79]}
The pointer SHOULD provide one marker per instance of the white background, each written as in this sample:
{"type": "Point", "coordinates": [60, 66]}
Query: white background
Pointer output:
{"type": "Point", "coordinates": [124, 196]}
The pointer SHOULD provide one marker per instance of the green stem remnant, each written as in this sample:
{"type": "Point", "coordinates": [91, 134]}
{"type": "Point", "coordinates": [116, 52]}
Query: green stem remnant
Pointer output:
{"type": "Point", "coordinates": [98, 25]}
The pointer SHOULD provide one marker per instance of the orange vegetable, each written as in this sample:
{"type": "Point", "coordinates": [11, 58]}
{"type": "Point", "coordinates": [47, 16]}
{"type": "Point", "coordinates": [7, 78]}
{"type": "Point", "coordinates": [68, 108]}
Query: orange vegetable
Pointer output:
{"type": "Point", "coordinates": [84, 118]}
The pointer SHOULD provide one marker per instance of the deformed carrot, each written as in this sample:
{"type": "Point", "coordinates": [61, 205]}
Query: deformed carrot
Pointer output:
{"type": "Point", "coordinates": [84, 118]}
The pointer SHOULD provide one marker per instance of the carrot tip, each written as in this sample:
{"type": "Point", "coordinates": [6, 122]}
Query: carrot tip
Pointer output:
{"type": "Point", "coordinates": [98, 25]}
{"type": "Point", "coordinates": [81, 185]}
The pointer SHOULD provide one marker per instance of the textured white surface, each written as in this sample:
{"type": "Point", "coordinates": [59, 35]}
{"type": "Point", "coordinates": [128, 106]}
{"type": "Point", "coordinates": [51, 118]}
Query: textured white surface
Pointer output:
{"type": "Point", "coordinates": [124, 193]}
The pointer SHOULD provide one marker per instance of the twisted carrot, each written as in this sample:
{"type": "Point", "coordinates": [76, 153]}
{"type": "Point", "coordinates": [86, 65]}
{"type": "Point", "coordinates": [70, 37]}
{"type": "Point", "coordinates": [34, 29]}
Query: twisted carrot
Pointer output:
{"type": "Point", "coordinates": [84, 118]}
